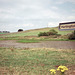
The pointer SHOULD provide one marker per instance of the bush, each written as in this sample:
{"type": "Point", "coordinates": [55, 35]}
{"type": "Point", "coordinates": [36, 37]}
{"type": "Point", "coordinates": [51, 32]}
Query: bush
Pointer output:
{"type": "Point", "coordinates": [72, 36]}
{"type": "Point", "coordinates": [50, 32]}
{"type": "Point", "coordinates": [43, 34]}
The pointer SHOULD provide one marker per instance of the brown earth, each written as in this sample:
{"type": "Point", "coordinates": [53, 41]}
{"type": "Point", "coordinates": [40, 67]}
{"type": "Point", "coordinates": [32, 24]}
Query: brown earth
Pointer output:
{"type": "Point", "coordinates": [46, 44]}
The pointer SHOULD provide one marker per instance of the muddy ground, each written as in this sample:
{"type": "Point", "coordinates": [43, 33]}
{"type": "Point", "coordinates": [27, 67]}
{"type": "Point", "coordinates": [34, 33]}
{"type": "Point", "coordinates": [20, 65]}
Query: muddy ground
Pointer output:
{"type": "Point", "coordinates": [46, 44]}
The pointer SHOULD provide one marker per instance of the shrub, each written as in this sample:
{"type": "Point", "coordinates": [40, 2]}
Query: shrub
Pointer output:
{"type": "Point", "coordinates": [72, 36]}
{"type": "Point", "coordinates": [50, 32]}
{"type": "Point", "coordinates": [43, 34]}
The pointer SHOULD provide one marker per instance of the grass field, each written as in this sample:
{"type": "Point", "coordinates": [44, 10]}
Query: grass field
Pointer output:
{"type": "Point", "coordinates": [34, 39]}
{"type": "Point", "coordinates": [28, 41]}
{"type": "Point", "coordinates": [39, 40]}
{"type": "Point", "coordinates": [36, 61]}
{"type": "Point", "coordinates": [31, 39]}
{"type": "Point", "coordinates": [2, 33]}
{"type": "Point", "coordinates": [35, 32]}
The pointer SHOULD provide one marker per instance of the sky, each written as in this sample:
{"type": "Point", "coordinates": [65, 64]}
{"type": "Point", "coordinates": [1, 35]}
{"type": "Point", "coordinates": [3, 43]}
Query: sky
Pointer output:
{"type": "Point", "coordinates": [34, 14]}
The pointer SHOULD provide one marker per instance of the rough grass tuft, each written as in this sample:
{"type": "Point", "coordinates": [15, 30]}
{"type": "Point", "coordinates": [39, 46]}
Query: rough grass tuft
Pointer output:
{"type": "Point", "coordinates": [35, 61]}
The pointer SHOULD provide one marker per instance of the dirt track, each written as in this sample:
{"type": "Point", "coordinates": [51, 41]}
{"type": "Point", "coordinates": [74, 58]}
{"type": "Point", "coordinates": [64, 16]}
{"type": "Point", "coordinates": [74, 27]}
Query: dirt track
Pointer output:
{"type": "Point", "coordinates": [46, 44]}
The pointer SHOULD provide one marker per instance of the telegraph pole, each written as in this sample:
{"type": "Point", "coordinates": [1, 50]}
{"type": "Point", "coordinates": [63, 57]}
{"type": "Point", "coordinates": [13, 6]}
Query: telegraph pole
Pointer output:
{"type": "Point", "coordinates": [47, 25]}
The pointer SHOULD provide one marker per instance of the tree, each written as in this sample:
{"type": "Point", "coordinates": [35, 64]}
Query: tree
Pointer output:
{"type": "Point", "coordinates": [20, 30]}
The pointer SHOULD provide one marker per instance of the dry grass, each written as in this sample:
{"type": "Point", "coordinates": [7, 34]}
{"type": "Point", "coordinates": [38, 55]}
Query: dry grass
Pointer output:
{"type": "Point", "coordinates": [35, 61]}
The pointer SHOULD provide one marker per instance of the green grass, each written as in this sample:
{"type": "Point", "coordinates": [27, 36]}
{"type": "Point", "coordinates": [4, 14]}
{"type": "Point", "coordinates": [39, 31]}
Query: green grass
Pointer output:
{"type": "Point", "coordinates": [1, 39]}
{"type": "Point", "coordinates": [53, 39]}
{"type": "Point", "coordinates": [9, 38]}
{"type": "Point", "coordinates": [33, 40]}
{"type": "Point", "coordinates": [2, 33]}
{"type": "Point", "coordinates": [21, 36]}
{"type": "Point", "coordinates": [40, 40]}
{"type": "Point", "coordinates": [35, 32]}
{"type": "Point", "coordinates": [63, 32]}
{"type": "Point", "coordinates": [37, 61]}
{"type": "Point", "coordinates": [28, 41]}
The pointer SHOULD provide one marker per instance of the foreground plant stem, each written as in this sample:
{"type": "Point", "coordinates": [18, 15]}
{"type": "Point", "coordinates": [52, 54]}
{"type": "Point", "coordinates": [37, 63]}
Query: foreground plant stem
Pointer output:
{"type": "Point", "coordinates": [62, 73]}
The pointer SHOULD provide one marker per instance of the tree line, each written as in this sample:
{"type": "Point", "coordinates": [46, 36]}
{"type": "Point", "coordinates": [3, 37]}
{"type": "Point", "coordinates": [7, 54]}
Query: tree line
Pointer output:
{"type": "Point", "coordinates": [4, 32]}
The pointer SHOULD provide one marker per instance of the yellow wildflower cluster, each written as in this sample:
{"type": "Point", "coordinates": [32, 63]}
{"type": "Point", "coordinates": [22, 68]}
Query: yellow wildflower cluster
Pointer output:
{"type": "Point", "coordinates": [53, 71]}
{"type": "Point", "coordinates": [62, 68]}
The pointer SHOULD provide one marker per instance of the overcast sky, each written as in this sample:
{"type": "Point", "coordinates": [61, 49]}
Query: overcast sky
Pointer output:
{"type": "Point", "coordinates": [31, 14]}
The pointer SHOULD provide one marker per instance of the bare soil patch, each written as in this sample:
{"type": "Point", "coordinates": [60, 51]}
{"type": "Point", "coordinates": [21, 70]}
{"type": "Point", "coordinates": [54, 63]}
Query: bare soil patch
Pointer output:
{"type": "Point", "coordinates": [46, 44]}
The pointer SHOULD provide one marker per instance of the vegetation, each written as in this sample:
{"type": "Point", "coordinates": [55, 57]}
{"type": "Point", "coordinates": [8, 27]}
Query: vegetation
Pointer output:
{"type": "Point", "coordinates": [43, 34]}
{"type": "Point", "coordinates": [35, 61]}
{"type": "Point", "coordinates": [72, 36]}
{"type": "Point", "coordinates": [39, 40]}
{"type": "Point", "coordinates": [49, 33]}
{"type": "Point", "coordinates": [2, 33]}
{"type": "Point", "coordinates": [9, 38]}
{"type": "Point", "coordinates": [35, 32]}
{"type": "Point", "coordinates": [52, 34]}
{"type": "Point", "coordinates": [20, 30]}
{"type": "Point", "coordinates": [28, 41]}
{"type": "Point", "coordinates": [61, 70]}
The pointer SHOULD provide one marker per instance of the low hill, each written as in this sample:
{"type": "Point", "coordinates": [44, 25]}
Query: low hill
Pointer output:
{"type": "Point", "coordinates": [34, 32]}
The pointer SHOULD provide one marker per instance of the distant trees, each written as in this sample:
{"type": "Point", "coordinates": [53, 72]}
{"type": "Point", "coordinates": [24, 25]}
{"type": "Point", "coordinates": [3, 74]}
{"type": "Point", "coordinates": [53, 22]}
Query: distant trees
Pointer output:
{"type": "Point", "coordinates": [20, 30]}
{"type": "Point", "coordinates": [4, 32]}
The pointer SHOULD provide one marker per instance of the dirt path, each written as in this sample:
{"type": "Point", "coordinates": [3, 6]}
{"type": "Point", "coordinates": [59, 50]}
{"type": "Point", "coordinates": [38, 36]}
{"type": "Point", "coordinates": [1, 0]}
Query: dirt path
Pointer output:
{"type": "Point", "coordinates": [46, 44]}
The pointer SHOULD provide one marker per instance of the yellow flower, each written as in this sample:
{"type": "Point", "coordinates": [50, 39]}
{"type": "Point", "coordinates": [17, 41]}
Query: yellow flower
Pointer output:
{"type": "Point", "coordinates": [62, 68]}
{"type": "Point", "coordinates": [53, 71]}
